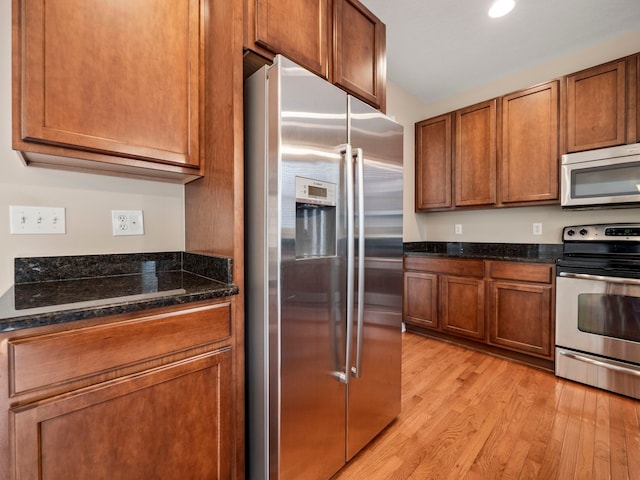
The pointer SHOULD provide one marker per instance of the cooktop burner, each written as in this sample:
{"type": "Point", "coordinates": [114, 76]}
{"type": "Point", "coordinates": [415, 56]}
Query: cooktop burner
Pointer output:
{"type": "Point", "coordinates": [601, 249]}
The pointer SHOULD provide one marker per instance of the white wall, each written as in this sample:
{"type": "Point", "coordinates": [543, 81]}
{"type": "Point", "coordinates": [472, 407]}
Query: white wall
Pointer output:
{"type": "Point", "coordinates": [407, 110]}
{"type": "Point", "coordinates": [88, 198]}
{"type": "Point", "coordinates": [511, 225]}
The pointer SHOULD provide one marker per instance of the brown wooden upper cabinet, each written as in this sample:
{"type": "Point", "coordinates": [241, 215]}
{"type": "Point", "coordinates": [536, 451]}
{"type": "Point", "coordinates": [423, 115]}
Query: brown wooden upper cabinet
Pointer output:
{"type": "Point", "coordinates": [434, 163]}
{"type": "Point", "coordinates": [637, 102]}
{"type": "Point", "coordinates": [340, 40]}
{"type": "Point", "coordinates": [519, 169]}
{"type": "Point", "coordinates": [297, 29]}
{"type": "Point", "coordinates": [475, 155]}
{"type": "Point", "coordinates": [359, 57]}
{"type": "Point", "coordinates": [602, 105]}
{"type": "Point", "coordinates": [110, 86]}
{"type": "Point", "coordinates": [594, 108]}
{"type": "Point", "coordinates": [529, 154]}
{"type": "Point", "coordinates": [456, 159]}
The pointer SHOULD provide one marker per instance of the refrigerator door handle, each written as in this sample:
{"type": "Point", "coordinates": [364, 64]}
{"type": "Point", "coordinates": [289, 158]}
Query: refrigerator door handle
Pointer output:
{"type": "Point", "coordinates": [359, 161]}
{"type": "Point", "coordinates": [348, 161]}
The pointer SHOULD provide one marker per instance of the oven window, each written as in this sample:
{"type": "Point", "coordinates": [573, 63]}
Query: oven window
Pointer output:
{"type": "Point", "coordinates": [607, 181]}
{"type": "Point", "coordinates": [615, 316]}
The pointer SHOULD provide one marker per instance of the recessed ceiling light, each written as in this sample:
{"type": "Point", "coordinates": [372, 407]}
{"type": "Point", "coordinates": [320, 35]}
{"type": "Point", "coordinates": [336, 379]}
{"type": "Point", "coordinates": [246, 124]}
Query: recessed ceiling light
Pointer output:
{"type": "Point", "coordinates": [501, 7]}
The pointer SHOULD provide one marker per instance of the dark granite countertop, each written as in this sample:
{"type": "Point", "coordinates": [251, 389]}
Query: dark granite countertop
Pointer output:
{"type": "Point", "coordinates": [51, 290]}
{"type": "Point", "coordinates": [513, 252]}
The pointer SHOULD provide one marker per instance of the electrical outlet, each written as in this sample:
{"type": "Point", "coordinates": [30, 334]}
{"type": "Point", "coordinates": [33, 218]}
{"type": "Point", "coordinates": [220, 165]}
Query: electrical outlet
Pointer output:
{"type": "Point", "coordinates": [458, 228]}
{"type": "Point", "coordinates": [37, 220]}
{"type": "Point", "coordinates": [537, 229]}
{"type": "Point", "coordinates": [127, 222]}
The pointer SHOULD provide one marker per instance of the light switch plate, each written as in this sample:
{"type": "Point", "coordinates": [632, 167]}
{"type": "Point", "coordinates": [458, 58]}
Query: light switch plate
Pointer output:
{"type": "Point", "coordinates": [26, 220]}
{"type": "Point", "coordinates": [537, 229]}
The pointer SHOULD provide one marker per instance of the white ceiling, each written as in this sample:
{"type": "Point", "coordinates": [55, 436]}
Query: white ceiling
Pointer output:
{"type": "Point", "coordinates": [437, 48]}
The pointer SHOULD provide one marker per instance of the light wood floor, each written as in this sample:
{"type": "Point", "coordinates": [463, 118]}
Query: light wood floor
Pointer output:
{"type": "Point", "coordinates": [468, 415]}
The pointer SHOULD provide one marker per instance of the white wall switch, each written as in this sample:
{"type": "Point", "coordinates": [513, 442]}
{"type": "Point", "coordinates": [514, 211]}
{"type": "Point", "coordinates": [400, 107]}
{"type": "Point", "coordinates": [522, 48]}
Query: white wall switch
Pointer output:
{"type": "Point", "coordinates": [458, 228]}
{"type": "Point", "coordinates": [127, 222]}
{"type": "Point", "coordinates": [37, 220]}
{"type": "Point", "coordinates": [537, 229]}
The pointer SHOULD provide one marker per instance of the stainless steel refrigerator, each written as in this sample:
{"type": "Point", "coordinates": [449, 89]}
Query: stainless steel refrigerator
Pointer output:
{"type": "Point", "coordinates": [324, 273]}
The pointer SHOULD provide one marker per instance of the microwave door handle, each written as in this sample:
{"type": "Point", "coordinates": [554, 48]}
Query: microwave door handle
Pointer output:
{"type": "Point", "coordinates": [600, 278]}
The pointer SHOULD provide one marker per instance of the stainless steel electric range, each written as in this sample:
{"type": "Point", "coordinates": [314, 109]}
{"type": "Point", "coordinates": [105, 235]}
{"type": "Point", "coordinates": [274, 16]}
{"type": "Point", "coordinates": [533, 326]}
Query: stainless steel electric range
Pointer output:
{"type": "Point", "coordinates": [598, 307]}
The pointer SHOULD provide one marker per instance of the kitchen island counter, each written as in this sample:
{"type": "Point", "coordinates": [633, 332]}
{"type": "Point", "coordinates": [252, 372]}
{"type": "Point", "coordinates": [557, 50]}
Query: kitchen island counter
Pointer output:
{"type": "Point", "coordinates": [52, 290]}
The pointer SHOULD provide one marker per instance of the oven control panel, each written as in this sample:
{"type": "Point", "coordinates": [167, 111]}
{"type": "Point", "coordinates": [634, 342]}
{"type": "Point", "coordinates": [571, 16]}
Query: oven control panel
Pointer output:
{"type": "Point", "coordinates": [615, 232]}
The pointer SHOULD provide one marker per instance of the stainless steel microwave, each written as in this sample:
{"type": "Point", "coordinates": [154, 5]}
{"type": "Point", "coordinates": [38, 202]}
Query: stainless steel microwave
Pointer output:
{"type": "Point", "coordinates": [607, 177]}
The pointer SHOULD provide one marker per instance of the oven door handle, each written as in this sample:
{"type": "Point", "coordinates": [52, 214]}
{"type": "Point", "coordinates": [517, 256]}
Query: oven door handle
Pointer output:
{"type": "Point", "coordinates": [598, 363]}
{"type": "Point", "coordinates": [586, 276]}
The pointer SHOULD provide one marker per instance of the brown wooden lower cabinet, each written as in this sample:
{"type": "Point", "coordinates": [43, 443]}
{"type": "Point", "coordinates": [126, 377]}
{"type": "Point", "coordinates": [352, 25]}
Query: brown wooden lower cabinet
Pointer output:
{"type": "Point", "coordinates": [462, 307]}
{"type": "Point", "coordinates": [164, 416]}
{"type": "Point", "coordinates": [520, 317]}
{"type": "Point", "coordinates": [421, 298]}
{"type": "Point", "coordinates": [164, 423]}
{"type": "Point", "coordinates": [507, 307]}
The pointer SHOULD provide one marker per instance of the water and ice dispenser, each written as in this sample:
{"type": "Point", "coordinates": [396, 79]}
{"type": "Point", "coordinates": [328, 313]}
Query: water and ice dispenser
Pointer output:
{"type": "Point", "coordinates": [315, 218]}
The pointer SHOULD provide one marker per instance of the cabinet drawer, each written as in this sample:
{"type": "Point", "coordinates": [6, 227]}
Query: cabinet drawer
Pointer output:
{"type": "Point", "coordinates": [524, 272]}
{"type": "Point", "coordinates": [449, 266]}
{"type": "Point", "coordinates": [45, 360]}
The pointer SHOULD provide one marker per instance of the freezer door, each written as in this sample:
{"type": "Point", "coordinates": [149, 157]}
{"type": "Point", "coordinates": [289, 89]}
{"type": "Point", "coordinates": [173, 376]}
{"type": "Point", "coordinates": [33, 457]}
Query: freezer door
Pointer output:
{"type": "Point", "coordinates": [374, 389]}
{"type": "Point", "coordinates": [310, 170]}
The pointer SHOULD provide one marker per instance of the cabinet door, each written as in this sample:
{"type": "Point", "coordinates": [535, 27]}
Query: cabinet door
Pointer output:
{"type": "Point", "coordinates": [433, 164]}
{"type": "Point", "coordinates": [475, 155]}
{"type": "Point", "coordinates": [596, 107]}
{"type": "Point", "coordinates": [529, 157]}
{"type": "Point", "coordinates": [359, 64]}
{"type": "Point", "coordinates": [635, 105]}
{"type": "Point", "coordinates": [421, 299]}
{"type": "Point", "coordinates": [462, 302]}
{"type": "Point", "coordinates": [116, 78]}
{"type": "Point", "coordinates": [165, 423]}
{"type": "Point", "coordinates": [521, 317]}
{"type": "Point", "coordinates": [298, 29]}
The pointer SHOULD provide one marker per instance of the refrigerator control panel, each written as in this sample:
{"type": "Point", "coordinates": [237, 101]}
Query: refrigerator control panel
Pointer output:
{"type": "Point", "coordinates": [315, 192]}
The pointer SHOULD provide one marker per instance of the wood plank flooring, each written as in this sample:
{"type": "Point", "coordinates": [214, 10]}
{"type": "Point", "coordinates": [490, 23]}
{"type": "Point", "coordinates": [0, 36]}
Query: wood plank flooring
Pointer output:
{"type": "Point", "coordinates": [469, 415]}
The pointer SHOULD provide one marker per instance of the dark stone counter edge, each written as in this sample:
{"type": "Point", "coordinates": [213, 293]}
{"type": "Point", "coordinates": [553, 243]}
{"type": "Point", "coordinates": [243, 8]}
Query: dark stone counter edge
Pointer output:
{"type": "Point", "coordinates": [85, 313]}
{"type": "Point", "coordinates": [511, 252]}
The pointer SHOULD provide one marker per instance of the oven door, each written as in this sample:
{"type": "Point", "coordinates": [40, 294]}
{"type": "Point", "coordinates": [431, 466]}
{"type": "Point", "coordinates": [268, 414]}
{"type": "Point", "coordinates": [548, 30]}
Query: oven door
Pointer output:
{"type": "Point", "coordinates": [598, 331]}
{"type": "Point", "coordinates": [599, 315]}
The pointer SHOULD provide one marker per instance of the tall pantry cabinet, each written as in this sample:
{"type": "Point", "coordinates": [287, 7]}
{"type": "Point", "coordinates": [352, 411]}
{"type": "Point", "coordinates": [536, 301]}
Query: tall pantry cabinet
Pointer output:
{"type": "Point", "coordinates": [151, 90]}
